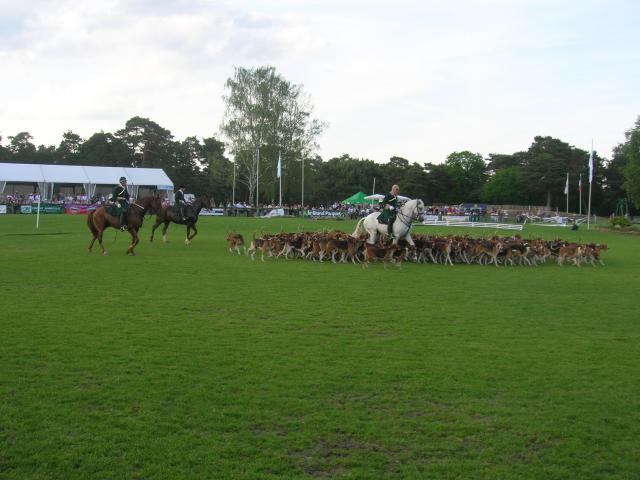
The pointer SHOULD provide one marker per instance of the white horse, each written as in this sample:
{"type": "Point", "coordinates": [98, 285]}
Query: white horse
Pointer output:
{"type": "Point", "coordinates": [401, 226]}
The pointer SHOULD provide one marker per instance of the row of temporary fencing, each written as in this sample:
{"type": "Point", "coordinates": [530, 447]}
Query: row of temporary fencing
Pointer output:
{"type": "Point", "coordinates": [458, 223]}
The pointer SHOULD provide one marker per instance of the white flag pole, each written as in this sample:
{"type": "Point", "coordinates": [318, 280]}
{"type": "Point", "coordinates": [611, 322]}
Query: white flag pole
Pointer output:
{"type": "Point", "coordinates": [233, 188]}
{"type": "Point", "coordinates": [280, 176]}
{"type": "Point", "coordinates": [373, 192]}
{"type": "Point", "coordinates": [38, 213]}
{"type": "Point", "coordinates": [580, 193]}
{"type": "Point", "coordinates": [302, 187]}
{"type": "Point", "coordinates": [590, 182]}
{"type": "Point", "coordinates": [257, 181]}
{"type": "Point", "coordinates": [566, 191]}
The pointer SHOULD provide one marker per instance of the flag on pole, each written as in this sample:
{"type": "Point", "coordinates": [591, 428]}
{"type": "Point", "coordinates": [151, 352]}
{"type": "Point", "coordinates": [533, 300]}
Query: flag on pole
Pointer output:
{"type": "Point", "coordinates": [591, 165]}
{"type": "Point", "coordinates": [566, 186]}
{"type": "Point", "coordinates": [580, 184]}
{"type": "Point", "coordinates": [279, 166]}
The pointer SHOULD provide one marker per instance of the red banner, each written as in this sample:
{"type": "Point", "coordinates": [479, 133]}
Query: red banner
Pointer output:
{"type": "Point", "coordinates": [74, 208]}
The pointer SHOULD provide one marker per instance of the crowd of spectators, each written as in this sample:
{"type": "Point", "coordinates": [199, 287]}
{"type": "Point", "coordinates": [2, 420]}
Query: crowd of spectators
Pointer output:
{"type": "Point", "coordinates": [335, 209]}
{"type": "Point", "coordinates": [31, 198]}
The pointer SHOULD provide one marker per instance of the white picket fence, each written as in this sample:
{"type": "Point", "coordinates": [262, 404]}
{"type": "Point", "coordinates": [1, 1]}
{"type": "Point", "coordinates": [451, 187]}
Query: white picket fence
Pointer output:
{"type": "Point", "coordinates": [447, 223]}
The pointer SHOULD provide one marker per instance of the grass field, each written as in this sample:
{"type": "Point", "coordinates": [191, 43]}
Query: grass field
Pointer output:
{"type": "Point", "coordinates": [190, 362]}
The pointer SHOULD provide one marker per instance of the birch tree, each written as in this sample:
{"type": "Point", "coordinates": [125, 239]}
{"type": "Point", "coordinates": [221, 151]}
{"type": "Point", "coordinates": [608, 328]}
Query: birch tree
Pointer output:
{"type": "Point", "coordinates": [266, 114]}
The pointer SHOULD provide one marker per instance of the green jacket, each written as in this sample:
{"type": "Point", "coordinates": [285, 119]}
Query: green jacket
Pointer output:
{"type": "Point", "coordinates": [120, 198]}
{"type": "Point", "coordinates": [386, 213]}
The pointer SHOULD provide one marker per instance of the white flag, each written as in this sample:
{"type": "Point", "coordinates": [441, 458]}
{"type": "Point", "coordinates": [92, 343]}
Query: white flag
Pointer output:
{"type": "Point", "coordinates": [566, 186]}
{"type": "Point", "coordinates": [279, 166]}
{"type": "Point", "coordinates": [591, 165]}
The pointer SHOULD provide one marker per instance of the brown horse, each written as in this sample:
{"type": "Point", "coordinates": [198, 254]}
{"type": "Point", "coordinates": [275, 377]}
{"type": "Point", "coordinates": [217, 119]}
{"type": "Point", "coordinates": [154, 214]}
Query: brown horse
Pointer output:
{"type": "Point", "coordinates": [168, 215]}
{"type": "Point", "coordinates": [99, 219]}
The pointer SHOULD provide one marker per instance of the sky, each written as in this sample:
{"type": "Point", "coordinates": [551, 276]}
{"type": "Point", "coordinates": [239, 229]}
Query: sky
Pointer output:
{"type": "Point", "coordinates": [415, 79]}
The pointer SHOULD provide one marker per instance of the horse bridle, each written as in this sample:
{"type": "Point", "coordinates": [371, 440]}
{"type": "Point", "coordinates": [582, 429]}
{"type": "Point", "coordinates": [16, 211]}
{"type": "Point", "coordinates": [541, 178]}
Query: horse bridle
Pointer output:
{"type": "Point", "coordinates": [144, 210]}
{"type": "Point", "coordinates": [410, 217]}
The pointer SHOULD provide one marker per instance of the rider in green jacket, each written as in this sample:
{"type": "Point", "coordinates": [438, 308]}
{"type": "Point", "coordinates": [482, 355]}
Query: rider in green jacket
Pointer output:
{"type": "Point", "coordinates": [389, 205]}
{"type": "Point", "coordinates": [179, 202]}
{"type": "Point", "coordinates": [120, 200]}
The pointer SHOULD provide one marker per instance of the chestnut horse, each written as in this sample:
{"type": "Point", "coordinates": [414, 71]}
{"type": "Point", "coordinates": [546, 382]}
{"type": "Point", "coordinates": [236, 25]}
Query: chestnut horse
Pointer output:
{"type": "Point", "coordinates": [168, 215]}
{"type": "Point", "coordinates": [99, 219]}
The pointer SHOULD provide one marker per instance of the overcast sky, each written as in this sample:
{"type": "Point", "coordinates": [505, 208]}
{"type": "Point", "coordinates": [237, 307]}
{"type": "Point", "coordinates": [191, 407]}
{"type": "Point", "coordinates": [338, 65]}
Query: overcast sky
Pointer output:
{"type": "Point", "coordinates": [417, 79]}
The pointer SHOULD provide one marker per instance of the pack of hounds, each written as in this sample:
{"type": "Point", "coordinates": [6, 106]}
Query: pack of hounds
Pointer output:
{"type": "Point", "coordinates": [341, 247]}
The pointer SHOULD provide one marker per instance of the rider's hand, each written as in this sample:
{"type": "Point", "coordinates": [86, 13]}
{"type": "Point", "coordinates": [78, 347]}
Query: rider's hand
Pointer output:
{"type": "Point", "coordinates": [391, 207]}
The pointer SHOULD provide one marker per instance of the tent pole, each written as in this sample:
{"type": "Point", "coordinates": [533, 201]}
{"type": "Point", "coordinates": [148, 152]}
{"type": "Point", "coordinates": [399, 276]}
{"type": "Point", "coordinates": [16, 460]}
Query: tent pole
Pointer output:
{"type": "Point", "coordinates": [38, 213]}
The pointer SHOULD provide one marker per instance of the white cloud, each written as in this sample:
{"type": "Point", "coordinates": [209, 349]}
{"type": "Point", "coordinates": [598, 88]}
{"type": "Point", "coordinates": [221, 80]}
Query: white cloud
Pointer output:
{"type": "Point", "coordinates": [418, 79]}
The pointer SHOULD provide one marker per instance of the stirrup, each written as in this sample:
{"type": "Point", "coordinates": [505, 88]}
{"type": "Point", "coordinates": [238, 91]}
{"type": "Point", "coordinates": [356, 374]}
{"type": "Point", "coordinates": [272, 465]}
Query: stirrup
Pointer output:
{"type": "Point", "coordinates": [123, 228]}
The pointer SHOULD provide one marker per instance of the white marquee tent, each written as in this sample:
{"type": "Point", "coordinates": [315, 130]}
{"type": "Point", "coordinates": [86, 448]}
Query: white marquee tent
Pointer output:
{"type": "Point", "coordinates": [46, 176]}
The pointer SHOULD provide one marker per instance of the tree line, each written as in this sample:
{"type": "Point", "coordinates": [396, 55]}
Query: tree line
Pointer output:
{"type": "Point", "coordinates": [268, 119]}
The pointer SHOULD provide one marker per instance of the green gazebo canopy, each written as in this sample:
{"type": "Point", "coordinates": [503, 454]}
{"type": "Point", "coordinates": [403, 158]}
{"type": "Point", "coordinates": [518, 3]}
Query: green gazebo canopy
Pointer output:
{"type": "Point", "coordinates": [356, 198]}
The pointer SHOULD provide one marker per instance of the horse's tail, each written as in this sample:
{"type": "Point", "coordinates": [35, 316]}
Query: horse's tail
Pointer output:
{"type": "Point", "coordinates": [359, 228]}
{"type": "Point", "coordinates": [90, 223]}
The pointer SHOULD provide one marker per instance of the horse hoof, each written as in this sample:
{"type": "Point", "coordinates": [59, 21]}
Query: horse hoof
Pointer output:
{"type": "Point", "coordinates": [105, 253]}
{"type": "Point", "coordinates": [187, 242]}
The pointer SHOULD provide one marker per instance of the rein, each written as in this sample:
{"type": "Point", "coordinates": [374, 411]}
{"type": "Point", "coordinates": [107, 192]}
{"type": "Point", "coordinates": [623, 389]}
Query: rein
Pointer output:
{"type": "Point", "coordinates": [402, 216]}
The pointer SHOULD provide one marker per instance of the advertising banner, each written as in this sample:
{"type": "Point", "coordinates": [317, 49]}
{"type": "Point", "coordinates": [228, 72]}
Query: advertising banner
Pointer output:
{"type": "Point", "coordinates": [44, 208]}
{"type": "Point", "coordinates": [47, 208]}
{"type": "Point", "coordinates": [74, 208]}
{"type": "Point", "coordinates": [455, 218]}
{"type": "Point", "coordinates": [214, 212]}
{"type": "Point", "coordinates": [3, 209]}
{"type": "Point", "coordinates": [325, 213]}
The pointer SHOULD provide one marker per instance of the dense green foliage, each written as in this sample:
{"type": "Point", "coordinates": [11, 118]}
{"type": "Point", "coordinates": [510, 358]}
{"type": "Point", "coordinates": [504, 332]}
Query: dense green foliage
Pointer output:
{"type": "Point", "coordinates": [631, 151]}
{"type": "Point", "coordinates": [619, 222]}
{"type": "Point", "coordinates": [190, 362]}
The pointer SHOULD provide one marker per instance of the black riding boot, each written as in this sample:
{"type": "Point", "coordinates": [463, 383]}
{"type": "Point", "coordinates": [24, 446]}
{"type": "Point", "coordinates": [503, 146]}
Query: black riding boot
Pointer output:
{"type": "Point", "coordinates": [392, 219]}
{"type": "Point", "coordinates": [123, 221]}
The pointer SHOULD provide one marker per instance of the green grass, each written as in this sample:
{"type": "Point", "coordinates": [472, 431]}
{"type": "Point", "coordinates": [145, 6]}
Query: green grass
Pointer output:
{"type": "Point", "coordinates": [190, 362]}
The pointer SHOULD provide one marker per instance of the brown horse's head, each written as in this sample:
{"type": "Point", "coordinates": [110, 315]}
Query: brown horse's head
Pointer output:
{"type": "Point", "coordinates": [150, 202]}
{"type": "Point", "coordinates": [205, 202]}
{"type": "Point", "coordinates": [156, 203]}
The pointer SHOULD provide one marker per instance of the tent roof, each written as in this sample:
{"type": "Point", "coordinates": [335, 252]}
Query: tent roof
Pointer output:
{"type": "Point", "coordinates": [379, 197]}
{"type": "Point", "coordinates": [32, 173]}
{"type": "Point", "coordinates": [149, 176]}
{"type": "Point", "coordinates": [105, 175]}
{"type": "Point", "coordinates": [64, 174]}
{"type": "Point", "coordinates": [355, 199]}
{"type": "Point", "coordinates": [20, 172]}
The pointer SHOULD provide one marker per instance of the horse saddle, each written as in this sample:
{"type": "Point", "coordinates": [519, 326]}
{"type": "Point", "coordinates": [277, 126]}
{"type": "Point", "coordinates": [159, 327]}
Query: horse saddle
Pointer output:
{"type": "Point", "coordinates": [189, 212]}
{"type": "Point", "coordinates": [385, 217]}
{"type": "Point", "coordinates": [113, 210]}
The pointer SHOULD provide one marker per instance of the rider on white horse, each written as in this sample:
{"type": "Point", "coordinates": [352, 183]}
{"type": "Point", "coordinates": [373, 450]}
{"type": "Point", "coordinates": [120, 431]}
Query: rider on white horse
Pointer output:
{"type": "Point", "coordinates": [401, 228]}
{"type": "Point", "coordinates": [389, 205]}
